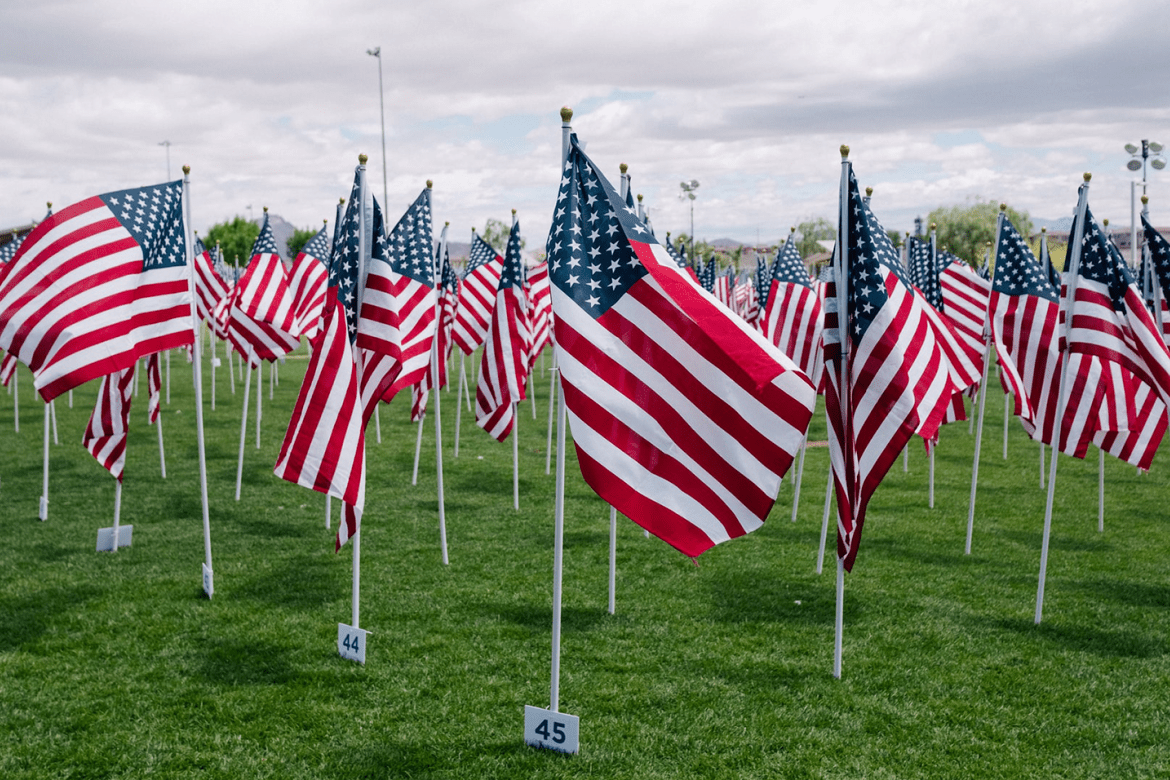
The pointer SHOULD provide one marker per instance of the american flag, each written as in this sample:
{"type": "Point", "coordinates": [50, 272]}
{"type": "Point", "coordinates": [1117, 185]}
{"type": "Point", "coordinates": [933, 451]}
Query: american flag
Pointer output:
{"type": "Point", "coordinates": [503, 369]}
{"type": "Point", "coordinates": [899, 383]}
{"type": "Point", "coordinates": [153, 388]}
{"type": "Point", "coordinates": [310, 282]}
{"type": "Point", "coordinates": [210, 290]}
{"type": "Point", "coordinates": [1111, 323]}
{"type": "Point", "coordinates": [920, 260]}
{"type": "Point", "coordinates": [7, 368]}
{"type": "Point", "coordinates": [1158, 255]}
{"type": "Point", "coordinates": [1048, 265]}
{"type": "Point", "coordinates": [98, 285]}
{"type": "Point", "coordinates": [324, 448]}
{"type": "Point", "coordinates": [1025, 312]}
{"type": "Point", "coordinates": [747, 305]}
{"type": "Point", "coordinates": [725, 287]}
{"type": "Point", "coordinates": [477, 295]}
{"type": "Point", "coordinates": [683, 417]}
{"type": "Point", "coordinates": [706, 274]}
{"type": "Point", "coordinates": [792, 318]}
{"type": "Point", "coordinates": [105, 436]}
{"type": "Point", "coordinates": [965, 297]}
{"type": "Point", "coordinates": [540, 300]}
{"type": "Point", "coordinates": [400, 292]}
{"type": "Point", "coordinates": [763, 287]}
{"type": "Point", "coordinates": [261, 309]}
{"type": "Point", "coordinates": [448, 293]}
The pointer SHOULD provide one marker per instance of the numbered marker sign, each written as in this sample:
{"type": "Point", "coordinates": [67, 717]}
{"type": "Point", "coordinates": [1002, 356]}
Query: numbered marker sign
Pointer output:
{"type": "Point", "coordinates": [105, 537]}
{"type": "Point", "coordinates": [351, 643]}
{"type": "Point", "coordinates": [550, 730]}
{"type": "Point", "coordinates": [208, 583]}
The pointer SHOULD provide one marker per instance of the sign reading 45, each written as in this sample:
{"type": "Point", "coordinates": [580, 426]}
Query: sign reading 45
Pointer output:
{"type": "Point", "coordinates": [550, 730]}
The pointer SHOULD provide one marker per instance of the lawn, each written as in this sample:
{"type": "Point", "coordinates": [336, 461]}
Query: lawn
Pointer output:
{"type": "Point", "coordinates": [116, 665]}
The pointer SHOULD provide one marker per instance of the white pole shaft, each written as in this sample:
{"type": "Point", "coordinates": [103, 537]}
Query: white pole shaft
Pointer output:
{"type": "Point", "coordinates": [212, 340]}
{"type": "Point", "coordinates": [1101, 491]}
{"type": "Point", "coordinates": [439, 477]}
{"type": "Point", "coordinates": [16, 398]}
{"type": "Point", "coordinates": [197, 377]}
{"type": "Point", "coordinates": [467, 389]}
{"type": "Point", "coordinates": [459, 401]}
{"type": "Point", "coordinates": [930, 490]}
{"type": "Point", "coordinates": [558, 552]}
{"type": "Point", "coordinates": [259, 397]}
{"type": "Point", "coordinates": [117, 513]}
{"type": "Point", "coordinates": [162, 456]}
{"type": "Point", "coordinates": [906, 459]}
{"type": "Point", "coordinates": [839, 623]}
{"type": "Point", "coordinates": [53, 418]}
{"type": "Point", "coordinates": [356, 541]}
{"type": "Point", "coordinates": [328, 511]}
{"type": "Point", "coordinates": [271, 379]}
{"type": "Point", "coordinates": [1041, 465]}
{"type": "Point", "coordinates": [825, 521]}
{"type": "Point", "coordinates": [71, 398]}
{"type": "Point", "coordinates": [418, 448]}
{"type": "Point", "coordinates": [799, 475]}
{"type": "Point", "coordinates": [243, 432]}
{"type": "Point", "coordinates": [612, 558]}
{"type": "Point", "coordinates": [532, 393]}
{"type": "Point", "coordinates": [377, 423]}
{"type": "Point", "coordinates": [515, 457]}
{"type": "Point", "coordinates": [552, 404]}
{"type": "Point", "coordinates": [979, 444]}
{"type": "Point", "coordinates": [1007, 414]}
{"type": "Point", "coordinates": [44, 508]}
{"type": "Point", "coordinates": [168, 354]}
{"type": "Point", "coordinates": [231, 361]}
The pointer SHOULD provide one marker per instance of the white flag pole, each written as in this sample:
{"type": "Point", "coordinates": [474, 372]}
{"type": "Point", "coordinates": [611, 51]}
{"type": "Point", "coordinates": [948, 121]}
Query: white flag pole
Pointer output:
{"type": "Point", "coordinates": [435, 358]}
{"type": "Point", "coordinates": [532, 389]}
{"type": "Point", "coordinates": [162, 457]}
{"type": "Point", "coordinates": [612, 558]}
{"type": "Point", "coordinates": [1069, 305]}
{"type": "Point", "coordinates": [467, 387]}
{"type": "Point", "coordinates": [825, 521]}
{"type": "Point", "coordinates": [1100, 491]}
{"type": "Point", "coordinates": [53, 418]}
{"type": "Point", "coordinates": [842, 282]}
{"type": "Point", "coordinates": [197, 371]}
{"type": "Point", "coordinates": [559, 504]}
{"type": "Point", "coordinates": [43, 512]}
{"type": "Point", "coordinates": [271, 379]}
{"type": "Point", "coordinates": [328, 510]}
{"type": "Point", "coordinates": [365, 229]}
{"type": "Point", "coordinates": [515, 456]}
{"type": "Point", "coordinates": [377, 422]}
{"type": "Point", "coordinates": [243, 423]}
{"type": "Point", "coordinates": [117, 513]}
{"type": "Point", "coordinates": [1007, 414]}
{"type": "Point", "coordinates": [983, 405]}
{"type": "Point", "coordinates": [1041, 465]}
{"type": "Point", "coordinates": [168, 353]}
{"type": "Point", "coordinates": [16, 397]}
{"type": "Point", "coordinates": [930, 490]}
{"type": "Point", "coordinates": [799, 474]}
{"type": "Point", "coordinates": [418, 447]}
{"type": "Point", "coordinates": [906, 459]}
{"type": "Point", "coordinates": [259, 396]}
{"type": "Point", "coordinates": [71, 398]}
{"type": "Point", "coordinates": [552, 404]}
{"type": "Point", "coordinates": [212, 340]}
{"type": "Point", "coordinates": [459, 399]}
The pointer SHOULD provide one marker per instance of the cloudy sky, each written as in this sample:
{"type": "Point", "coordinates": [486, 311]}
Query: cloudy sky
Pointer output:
{"type": "Point", "coordinates": [270, 103]}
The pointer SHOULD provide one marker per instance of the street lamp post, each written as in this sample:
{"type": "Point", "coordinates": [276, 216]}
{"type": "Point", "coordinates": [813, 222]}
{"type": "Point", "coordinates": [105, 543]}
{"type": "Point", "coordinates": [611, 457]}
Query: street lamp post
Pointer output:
{"type": "Point", "coordinates": [688, 192]}
{"type": "Point", "coordinates": [377, 52]}
{"type": "Point", "coordinates": [167, 144]}
{"type": "Point", "coordinates": [1142, 154]}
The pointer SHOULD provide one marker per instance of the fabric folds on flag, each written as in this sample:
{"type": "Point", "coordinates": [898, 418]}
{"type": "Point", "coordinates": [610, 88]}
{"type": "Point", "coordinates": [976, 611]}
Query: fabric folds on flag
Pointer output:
{"type": "Point", "coordinates": [153, 388]}
{"type": "Point", "coordinates": [684, 417]}
{"type": "Point", "coordinates": [899, 383]}
{"type": "Point", "coordinates": [261, 322]}
{"type": "Point", "coordinates": [210, 291]}
{"type": "Point", "coordinates": [792, 318]}
{"type": "Point", "coordinates": [105, 435]}
{"type": "Point", "coordinates": [503, 371]}
{"type": "Point", "coordinates": [310, 283]}
{"type": "Point", "coordinates": [477, 295]}
{"type": "Point", "coordinates": [98, 285]}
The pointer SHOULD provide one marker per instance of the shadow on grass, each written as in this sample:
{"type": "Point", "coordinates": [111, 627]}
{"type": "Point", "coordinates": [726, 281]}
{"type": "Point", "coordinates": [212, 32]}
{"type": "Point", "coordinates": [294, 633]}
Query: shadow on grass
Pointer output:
{"type": "Point", "coordinates": [1137, 594]}
{"type": "Point", "coordinates": [410, 759]}
{"type": "Point", "coordinates": [29, 615]}
{"type": "Point", "coordinates": [304, 582]}
{"type": "Point", "coordinates": [1086, 639]}
{"type": "Point", "coordinates": [752, 597]}
{"type": "Point", "coordinates": [1034, 539]}
{"type": "Point", "coordinates": [538, 617]}
{"type": "Point", "coordinates": [906, 550]}
{"type": "Point", "coordinates": [244, 661]}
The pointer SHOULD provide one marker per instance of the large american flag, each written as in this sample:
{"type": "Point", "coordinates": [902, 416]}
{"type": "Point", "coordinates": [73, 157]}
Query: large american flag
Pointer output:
{"type": "Point", "coordinates": [400, 294]}
{"type": "Point", "coordinates": [792, 318]}
{"type": "Point", "coordinates": [898, 384]}
{"type": "Point", "coordinates": [1111, 323]}
{"type": "Point", "coordinates": [684, 417]}
{"type": "Point", "coordinates": [310, 282]}
{"type": "Point", "coordinates": [503, 370]}
{"type": "Point", "coordinates": [324, 448]}
{"type": "Point", "coordinates": [105, 435]}
{"type": "Point", "coordinates": [98, 285]}
{"type": "Point", "coordinates": [210, 289]}
{"type": "Point", "coordinates": [261, 317]}
{"type": "Point", "coordinates": [477, 295]}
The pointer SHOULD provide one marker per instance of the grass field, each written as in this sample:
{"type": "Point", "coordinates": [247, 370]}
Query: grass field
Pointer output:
{"type": "Point", "coordinates": [115, 665]}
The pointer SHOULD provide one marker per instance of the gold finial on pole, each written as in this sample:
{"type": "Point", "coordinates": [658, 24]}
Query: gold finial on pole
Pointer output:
{"type": "Point", "coordinates": [265, 209]}
{"type": "Point", "coordinates": [362, 159]}
{"type": "Point", "coordinates": [325, 222]}
{"type": "Point", "coordinates": [844, 151]}
{"type": "Point", "coordinates": [430, 184]}
{"type": "Point", "coordinates": [186, 170]}
{"type": "Point", "coordinates": [639, 197]}
{"type": "Point", "coordinates": [1087, 177]}
{"type": "Point", "coordinates": [869, 192]}
{"type": "Point", "coordinates": [566, 114]}
{"type": "Point", "coordinates": [446, 224]}
{"type": "Point", "coordinates": [49, 203]}
{"type": "Point", "coordinates": [933, 225]}
{"type": "Point", "coordinates": [1145, 199]}
{"type": "Point", "coordinates": [513, 212]}
{"type": "Point", "coordinates": [1043, 230]}
{"type": "Point", "coordinates": [1003, 207]}
{"type": "Point", "coordinates": [473, 228]}
{"type": "Point", "coordinates": [342, 202]}
{"type": "Point", "coordinates": [792, 229]}
{"type": "Point", "coordinates": [1105, 222]}
{"type": "Point", "coordinates": [623, 168]}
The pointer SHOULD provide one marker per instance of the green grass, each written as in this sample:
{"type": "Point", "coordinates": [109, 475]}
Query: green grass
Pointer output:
{"type": "Point", "coordinates": [115, 665]}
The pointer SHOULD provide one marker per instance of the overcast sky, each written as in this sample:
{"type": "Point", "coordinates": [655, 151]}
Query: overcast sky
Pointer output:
{"type": "Point", "coordinates": [270, 103]}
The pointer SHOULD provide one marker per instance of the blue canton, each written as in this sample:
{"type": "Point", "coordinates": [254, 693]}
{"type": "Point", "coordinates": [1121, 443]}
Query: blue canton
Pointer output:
{"type": "Point", "coordinates": [8, 251]}
{"type": "Point", "coordinates": [410, 245]}
{"type": "Point", "coordinates": [345, 262]}
{"type": "Point", "coordinates": [265, 244]}
{"type": "Point", "coordinates": [590, 257]}
{"type": "Point", "coordinates": [319, 246]}
{"type": "Point", "coordinates": [481, 254]}
{"type": "Point", "coordinates": [1159, 254]}
{"type": "Point", "coordinates": [871, 259]}
{"type": "Point", "coordinates": [1017, 272]}
{"type": "Point", "coordinates": [1101, 262]}
{"type": "Point", "coordinates": [788, 267]}
{"type": "Point", "coordinates": [515, 273]}
{"type": "Point", "coordinates": [154, 218]}
{"type": "Point", "coordinates": [763, 279]}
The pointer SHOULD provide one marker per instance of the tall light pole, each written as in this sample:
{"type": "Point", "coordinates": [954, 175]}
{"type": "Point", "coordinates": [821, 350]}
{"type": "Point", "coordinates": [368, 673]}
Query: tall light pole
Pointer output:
{"type": "Point", "coordinates": [688, 191]}
{"type": "Point", "coordinates": [377, 52]}
{"type": "Point", "coordinates": [167, 144]}
{"type": "Point", "coordinates": [1158, 164]}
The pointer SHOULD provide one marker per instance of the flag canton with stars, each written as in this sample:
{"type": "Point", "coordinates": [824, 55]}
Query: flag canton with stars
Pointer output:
{"type": "Point", "coordinates": [200, 247]}
{"type": "Point", "coordinates": [154, 218]}
{"type": "Point", "coordinates": [514, 273]}
{"type": "Point", "coordinates": [345, 263]}
{"type": "Point", "coordinates": [481, 254]}
{"type": "Point", "coordinates": [447, 277]}
{"type": "Point", "coordinates": [1101, 263]}
{"type": "Point", "coordinates": [707, 275]}
{"type": "Point", "coordinates": [763, 278]}
{"type": "Point", "coordinates": [917, 257]}
{"type": "Point", "coordinates": [925, 265]}
{"type": "Point", "coordinates": [1159, 254]}
{"type": "Point", "coordinates": [788, 267]}
{"type": "Point", "coordinates": [319, 245]}
{"type": "Point", "coordinates": [8, 251]}
{"type": "Point", "coordinates": [410, 244]}
{"type": "Point", "coordinates": [590, 257]}
{"type": "Point", "coordinates": [265, 242]}
{"type": "Point", "coordinates": [679, 260]}
{"type": "Point", "coordinates": [871, 259]}
{"type": "Point", "coordinates": [1017, 272]}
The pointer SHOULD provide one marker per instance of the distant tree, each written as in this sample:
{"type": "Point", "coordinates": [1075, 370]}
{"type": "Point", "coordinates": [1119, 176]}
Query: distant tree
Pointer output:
{"type": "Point", "coordinates": [965, 230]}
{"type": "Point", "coordinates": [496, 233]}
{"type": "Point", "coordinates": [298, 240]}
{"type": "Point", "coordinates": [895, 237]}
{"type": "Point", "coordinates": [811, 231]}
{"type": "Point", "coordinates": [235, 238]}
